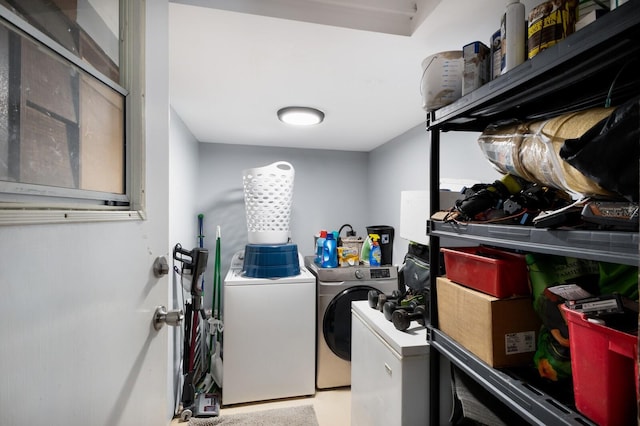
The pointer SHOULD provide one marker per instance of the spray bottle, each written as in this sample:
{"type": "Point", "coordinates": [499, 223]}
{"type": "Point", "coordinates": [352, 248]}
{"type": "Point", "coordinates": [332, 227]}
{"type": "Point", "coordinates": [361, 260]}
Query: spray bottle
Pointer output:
{"type": "Point", "coordinates": [365, 250]}
{"type": "Point", "coordinates": [375, 255]}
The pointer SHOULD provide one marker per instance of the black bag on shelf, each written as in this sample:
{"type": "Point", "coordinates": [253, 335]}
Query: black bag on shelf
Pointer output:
{"type": "Point", "coordinates": [609, 152]}
{"type": "Point", "coordinates": [414, 274]}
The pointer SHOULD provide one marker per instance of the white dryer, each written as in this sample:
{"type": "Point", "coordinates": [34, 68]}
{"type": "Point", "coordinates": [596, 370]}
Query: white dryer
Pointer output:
{"type": "Point", "coordinates": [336, 289]}
{"type": "Point", "coordinates": [269, 336]}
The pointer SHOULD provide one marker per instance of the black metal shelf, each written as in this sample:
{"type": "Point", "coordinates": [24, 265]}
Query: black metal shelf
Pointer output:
{"type": "Point", "coordinates": [613, 247]}
{"type": "Point", "coordinates": [577, 73]}
{"type": "Point", "coordinates": [532, 404]}
{"type": "Point", "coordinates": [574, 74]}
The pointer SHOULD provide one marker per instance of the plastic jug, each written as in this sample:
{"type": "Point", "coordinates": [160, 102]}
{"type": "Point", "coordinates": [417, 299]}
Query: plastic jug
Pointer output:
{"type": "Point", "coordinates": [330, 252]}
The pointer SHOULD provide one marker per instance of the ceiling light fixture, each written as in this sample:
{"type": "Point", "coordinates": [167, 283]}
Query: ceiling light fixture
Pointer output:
{"type": "Point", "coordinates": [300, 116]}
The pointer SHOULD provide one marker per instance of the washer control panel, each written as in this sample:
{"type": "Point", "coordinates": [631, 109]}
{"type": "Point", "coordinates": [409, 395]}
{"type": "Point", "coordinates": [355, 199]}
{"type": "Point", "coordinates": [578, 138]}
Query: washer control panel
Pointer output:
{"type": "Point", "coordinates": [380, 273]}
{"type": "Point", "coordinates": [351, 273]}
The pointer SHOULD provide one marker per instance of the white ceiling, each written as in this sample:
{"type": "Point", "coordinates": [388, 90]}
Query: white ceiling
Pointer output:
{"type": "Point", "coordinates": [234, 63]}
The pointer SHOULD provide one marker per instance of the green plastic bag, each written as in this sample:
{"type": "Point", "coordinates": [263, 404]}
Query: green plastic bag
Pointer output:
{"type": "Point", "coordinates": [552, 357]}
{"type": "Point", "coordinates": [621, 279]}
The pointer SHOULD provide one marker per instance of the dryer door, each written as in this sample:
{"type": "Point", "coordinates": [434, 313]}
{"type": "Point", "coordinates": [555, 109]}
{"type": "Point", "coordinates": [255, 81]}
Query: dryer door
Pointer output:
{"type": "Point", "coordinates": [336, 325]}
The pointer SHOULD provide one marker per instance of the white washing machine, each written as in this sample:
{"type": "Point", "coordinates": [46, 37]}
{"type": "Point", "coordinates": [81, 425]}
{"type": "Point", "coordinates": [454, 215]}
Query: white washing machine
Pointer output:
{"type": "Point", "coordinates": [269, 336]}
{"type": "Point", "coordinates": [336, 289]}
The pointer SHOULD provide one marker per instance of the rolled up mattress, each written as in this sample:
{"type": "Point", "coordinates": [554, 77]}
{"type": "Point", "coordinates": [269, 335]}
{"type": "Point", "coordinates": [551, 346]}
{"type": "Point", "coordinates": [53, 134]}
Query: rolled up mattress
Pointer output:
{"type": "Point", "coordinates": [531, 150]}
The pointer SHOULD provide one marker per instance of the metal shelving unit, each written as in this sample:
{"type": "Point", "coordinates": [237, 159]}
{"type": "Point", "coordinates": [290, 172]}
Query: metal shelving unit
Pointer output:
{"type": "Point", "coordinates": [614, 247]}
{"type": "Point", "coordinates": [577, 73]}
{"type": "Point", "coordinates": [580, 68]}
{"type": "Point", "coordinates": [530, 403]}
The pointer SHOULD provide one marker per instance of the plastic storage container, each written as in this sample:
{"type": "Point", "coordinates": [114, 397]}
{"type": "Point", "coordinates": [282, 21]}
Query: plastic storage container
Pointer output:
{"type": "Point", "coordinates": [496, 272]}
{"type": "Point", "coordinates": [268, 193]}
{"type": "Point", "coordinates": [604, 364]}
{"type": "Point", "coordinates": [441, 82]}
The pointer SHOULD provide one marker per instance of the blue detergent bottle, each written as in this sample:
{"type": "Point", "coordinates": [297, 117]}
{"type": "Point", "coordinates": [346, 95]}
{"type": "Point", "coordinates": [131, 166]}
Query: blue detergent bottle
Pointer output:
{"type": "Point", "coordinates": [330, 252]}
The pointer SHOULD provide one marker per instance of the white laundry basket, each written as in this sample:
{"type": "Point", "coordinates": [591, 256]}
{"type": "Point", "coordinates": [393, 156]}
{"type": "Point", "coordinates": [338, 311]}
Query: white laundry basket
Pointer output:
{"type": "Point", "coordinates": [268, 192]}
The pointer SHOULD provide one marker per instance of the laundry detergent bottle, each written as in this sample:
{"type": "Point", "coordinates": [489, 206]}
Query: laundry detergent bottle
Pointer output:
{"type": "Point", "coordinates": [375, 255]}
{"type": "Point", "coordinates": [330, 252]}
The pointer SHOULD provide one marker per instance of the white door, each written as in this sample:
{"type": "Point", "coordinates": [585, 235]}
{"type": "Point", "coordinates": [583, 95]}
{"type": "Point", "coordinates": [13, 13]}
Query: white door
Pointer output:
{"type": "Point", "coordinates": [77, 345]}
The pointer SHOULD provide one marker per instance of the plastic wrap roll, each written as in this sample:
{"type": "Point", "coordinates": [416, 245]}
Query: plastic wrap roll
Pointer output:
{"type": "Point", "coordinates": [530, 150]}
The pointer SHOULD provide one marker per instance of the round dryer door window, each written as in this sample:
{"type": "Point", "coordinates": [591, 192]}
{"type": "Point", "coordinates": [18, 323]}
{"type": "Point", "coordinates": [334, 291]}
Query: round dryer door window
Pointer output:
{"type": "Point", "coordinates": [336, 325]}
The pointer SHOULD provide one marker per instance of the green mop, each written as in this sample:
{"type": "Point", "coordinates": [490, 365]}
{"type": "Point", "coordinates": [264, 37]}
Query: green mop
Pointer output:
{"type": "Point", "coordinates": [215, 366]}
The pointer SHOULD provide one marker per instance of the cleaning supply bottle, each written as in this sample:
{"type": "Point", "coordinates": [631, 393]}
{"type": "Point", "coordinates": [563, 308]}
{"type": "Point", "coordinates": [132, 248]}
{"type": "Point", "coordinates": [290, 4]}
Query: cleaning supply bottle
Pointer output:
{"type": "Point", "coordinates": [512, 33]}
{"type": "Point", "coordinates": [365, 251]}
{"type": "Point", "coordinates": [375, 255]}
{"type": "Point", "coordinates": [320, 246]}
{"type": "Point", "coordinates": [330, 252]}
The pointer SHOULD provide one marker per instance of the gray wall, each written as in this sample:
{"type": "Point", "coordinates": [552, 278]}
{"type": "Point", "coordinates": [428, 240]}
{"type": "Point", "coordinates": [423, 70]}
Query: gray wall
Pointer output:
{"type": "Point", "coordinates": [331, 188]}
{"type": "Point", "coordinates": [329, 191]}
{"type": "Point", "coordinates": [183, 174]}
{"type": "Point", "coordinates": [402, 164]}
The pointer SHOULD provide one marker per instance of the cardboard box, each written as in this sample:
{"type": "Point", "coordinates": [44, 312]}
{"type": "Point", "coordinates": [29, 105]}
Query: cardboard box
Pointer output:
{"type": "Point", "coordinates": [589, 18]}
{"type": "Point", "coordinates": [476, 57]}
{"type": "Point", "coordinates": [501, 332]}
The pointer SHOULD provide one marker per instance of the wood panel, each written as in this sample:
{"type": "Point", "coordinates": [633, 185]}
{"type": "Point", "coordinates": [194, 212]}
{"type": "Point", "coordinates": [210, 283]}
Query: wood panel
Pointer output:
{"type": "Point", "coordinates": [101, 137]}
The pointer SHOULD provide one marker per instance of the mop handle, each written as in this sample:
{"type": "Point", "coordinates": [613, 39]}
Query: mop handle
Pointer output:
{"type": "Point", "coordinates": [201, 238]}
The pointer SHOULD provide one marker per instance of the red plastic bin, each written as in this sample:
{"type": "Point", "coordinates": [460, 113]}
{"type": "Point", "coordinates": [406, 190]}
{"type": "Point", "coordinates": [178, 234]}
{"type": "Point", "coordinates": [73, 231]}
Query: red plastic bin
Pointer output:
{"type": "Point", "coordinates": [492, 271]}
{"type": "Point", "coordinates": [604, 364]}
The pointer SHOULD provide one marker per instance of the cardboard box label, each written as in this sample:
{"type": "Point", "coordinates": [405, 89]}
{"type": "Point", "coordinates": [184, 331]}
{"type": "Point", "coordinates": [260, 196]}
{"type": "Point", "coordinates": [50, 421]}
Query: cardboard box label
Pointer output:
{"type": "Point", "coordinates": [518, 343]}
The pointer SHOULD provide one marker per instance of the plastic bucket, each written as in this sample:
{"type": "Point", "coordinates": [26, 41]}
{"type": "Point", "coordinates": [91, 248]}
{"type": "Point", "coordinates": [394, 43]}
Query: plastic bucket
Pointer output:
{"type": "Point", "coordinates": [604, 364]}
{"type": "Point", "coordinates": [268, 193]}
{"type": "Point", "coordinates": [441, 82]}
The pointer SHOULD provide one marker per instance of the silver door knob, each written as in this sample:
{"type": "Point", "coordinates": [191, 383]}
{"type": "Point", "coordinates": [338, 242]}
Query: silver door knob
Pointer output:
{"type": "Point", "coordinates": [162, 316]}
